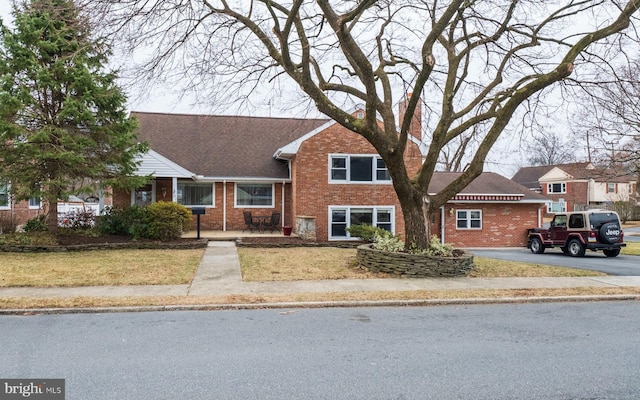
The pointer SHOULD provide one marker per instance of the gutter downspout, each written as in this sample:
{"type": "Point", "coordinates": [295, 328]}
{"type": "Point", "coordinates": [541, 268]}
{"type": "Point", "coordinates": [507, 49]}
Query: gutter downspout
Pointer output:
{"type": "Point", "coordinates": [224, 205]}
{"type": "Point", "coordinates": [442, 222]}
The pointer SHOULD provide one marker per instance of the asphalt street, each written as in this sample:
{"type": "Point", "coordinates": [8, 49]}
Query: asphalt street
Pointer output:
{"type": "Point", "coordinates": [548, 351]}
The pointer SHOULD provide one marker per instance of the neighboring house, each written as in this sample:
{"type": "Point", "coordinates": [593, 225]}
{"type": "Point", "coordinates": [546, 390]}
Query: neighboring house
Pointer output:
{"type": "Point", "coordinates": [577, 186]}
{"type": "Point", "coordinates": [14, 214]}
{"type": "Point", "coordinates": [317, 174]}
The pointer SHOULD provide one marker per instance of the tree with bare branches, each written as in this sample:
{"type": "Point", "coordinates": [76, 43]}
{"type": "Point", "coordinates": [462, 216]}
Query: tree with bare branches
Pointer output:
{"type": "Point", "coordinates": [609, 119]}
{"type": "Point", "coordinates": [473, 64]}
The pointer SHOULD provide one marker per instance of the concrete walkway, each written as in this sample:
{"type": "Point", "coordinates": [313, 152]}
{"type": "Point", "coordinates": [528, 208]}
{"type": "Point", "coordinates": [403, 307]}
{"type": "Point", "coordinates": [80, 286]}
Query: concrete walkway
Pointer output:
{"type": "Point", "coordinates": [219, 274]}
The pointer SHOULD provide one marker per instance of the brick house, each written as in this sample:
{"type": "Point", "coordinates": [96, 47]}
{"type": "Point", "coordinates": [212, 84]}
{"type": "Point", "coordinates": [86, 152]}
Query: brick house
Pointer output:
{"type": "Point", "coordinates": [577, 186]}
{"type": "Point", "coordinates": [14, 213]}
{"type": "Point", "coordinates": [321, 178]}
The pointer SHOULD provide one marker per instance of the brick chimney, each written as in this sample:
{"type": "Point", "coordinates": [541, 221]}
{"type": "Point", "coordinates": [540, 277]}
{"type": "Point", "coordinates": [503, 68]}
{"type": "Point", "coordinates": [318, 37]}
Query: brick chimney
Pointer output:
{"type": "Point", "coordinates": [415, 129]}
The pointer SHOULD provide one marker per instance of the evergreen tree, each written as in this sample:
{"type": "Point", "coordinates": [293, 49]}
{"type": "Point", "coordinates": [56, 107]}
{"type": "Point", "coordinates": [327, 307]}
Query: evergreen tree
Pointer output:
{"type": "Point", "coordinates": [64, 127]}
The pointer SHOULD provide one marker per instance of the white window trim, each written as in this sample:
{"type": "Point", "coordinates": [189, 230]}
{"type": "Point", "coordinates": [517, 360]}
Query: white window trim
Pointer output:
{"type": "Point", "coordinates": [153, 193]}
{"type": "Point", "coordinates": [561, 202]}
{"type": "Point", "coordinates": [8, 206]}
{"type": "Point", "coordinates": [213, 193]}
{"type": "Point", "coordinates": [563, 187]}
{"type": "Point", "coordinates": [38, 207]}
{"type": "Point", "coordinates": [347, 181]}
{"type": "Point", "coordinates": [391, 209]}
{"type": "Point", "coordinates": [469, 219]}
{"type": "Point", "coordinates": [273, 195]}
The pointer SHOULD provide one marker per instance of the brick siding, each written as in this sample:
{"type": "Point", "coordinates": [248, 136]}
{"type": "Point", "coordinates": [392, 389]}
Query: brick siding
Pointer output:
{"type": "Point", "coordinates": [502, 225]}
{"type": "Point", "coordinates": [310, 175]}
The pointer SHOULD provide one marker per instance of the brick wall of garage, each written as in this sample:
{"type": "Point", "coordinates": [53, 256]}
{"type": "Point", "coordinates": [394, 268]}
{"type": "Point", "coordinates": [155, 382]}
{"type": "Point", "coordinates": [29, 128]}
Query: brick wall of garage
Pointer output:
{"type": "Point", "coordinates": [503, 224]}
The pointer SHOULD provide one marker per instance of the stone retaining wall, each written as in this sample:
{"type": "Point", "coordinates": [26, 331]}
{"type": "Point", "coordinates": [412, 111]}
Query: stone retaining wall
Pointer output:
{"type": "Point", "coordinates": [413, 265]}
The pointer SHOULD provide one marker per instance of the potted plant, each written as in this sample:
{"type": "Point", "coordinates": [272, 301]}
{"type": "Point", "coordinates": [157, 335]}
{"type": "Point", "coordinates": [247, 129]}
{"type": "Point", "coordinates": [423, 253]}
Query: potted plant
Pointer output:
{"type": "Point", "coordinates": [286, 230]}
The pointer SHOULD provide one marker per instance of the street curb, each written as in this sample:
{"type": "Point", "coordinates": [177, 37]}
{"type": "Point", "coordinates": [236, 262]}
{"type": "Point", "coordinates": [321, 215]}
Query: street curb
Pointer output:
{"type": "Point", "coordinates": [321, 304]}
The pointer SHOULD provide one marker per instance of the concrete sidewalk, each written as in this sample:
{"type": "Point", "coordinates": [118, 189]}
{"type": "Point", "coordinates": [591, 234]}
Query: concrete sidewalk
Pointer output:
{"type": "Point", "coordinates": [219, 274]}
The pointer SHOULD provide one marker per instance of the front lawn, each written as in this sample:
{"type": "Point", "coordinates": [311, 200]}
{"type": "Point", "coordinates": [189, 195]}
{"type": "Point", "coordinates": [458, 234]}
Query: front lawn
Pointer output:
{"type": "Point", "coordinates": [99, 268]}
{"type": "Point", "coordinates": [313, 263]}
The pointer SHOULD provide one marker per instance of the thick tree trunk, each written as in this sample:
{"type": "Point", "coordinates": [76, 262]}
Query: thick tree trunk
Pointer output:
{"type": "Point", "coordinates": [52, 215]}
{"type": "Point", "coordinates": [415, 213]}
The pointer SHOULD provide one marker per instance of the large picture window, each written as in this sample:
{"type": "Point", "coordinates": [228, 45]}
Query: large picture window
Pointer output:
{"type": "Point", "coordinates": [469, 219]}
{"type": "Point", "coordinates": [357, 169]}
{"type": "Point", "coordinates": [342, 217]}
{"type": "Point", "coordinates": [195, 194]}
{"type": "Point", "coordinates": [254, 195]}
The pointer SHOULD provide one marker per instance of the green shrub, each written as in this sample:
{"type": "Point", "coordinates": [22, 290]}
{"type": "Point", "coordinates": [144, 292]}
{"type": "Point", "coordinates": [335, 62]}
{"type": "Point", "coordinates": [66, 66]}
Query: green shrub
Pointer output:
{"type": "Point", "coordinates": [167, 220]}
{"type": "Point", "coordinates": [366, 232]}
{"type": "Point", "coordinates": [132, 221]}
{"type": "Point", "coordinates": [37, 224]}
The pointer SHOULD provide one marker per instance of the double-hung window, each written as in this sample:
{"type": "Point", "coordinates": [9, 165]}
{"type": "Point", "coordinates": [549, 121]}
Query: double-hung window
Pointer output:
{"type": "Point", "coordinates": [611, 187]}
{"type": "Point", "coordinates": [196, 194]}
{"type": "Point", "coordinates": [342, 217]}
{"type": "Point", "coordinates": [557, 188]}
{"type": "Point", "coordinates": [254, 195]}
{"type": "Point", "coordinates": [35, 203]}
{"type": "Point", "coordinates": [469, 219]}
{"type": "Point", "coordinates": [4, 196]}
{"type": "Point", "coordinates": [345, 168]}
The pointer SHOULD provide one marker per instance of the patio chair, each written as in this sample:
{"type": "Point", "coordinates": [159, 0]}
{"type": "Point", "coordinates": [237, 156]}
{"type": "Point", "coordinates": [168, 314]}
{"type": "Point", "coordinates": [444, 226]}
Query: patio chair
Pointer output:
{"type": "Point", "coordinates": [249, 222]}
{"type": "Point", "coordinates": [272, 224]}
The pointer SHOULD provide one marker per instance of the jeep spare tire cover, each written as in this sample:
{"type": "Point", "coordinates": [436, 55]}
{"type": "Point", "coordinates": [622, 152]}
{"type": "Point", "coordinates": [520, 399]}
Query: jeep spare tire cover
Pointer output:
{"type": "Point", "coordinates": [610, 233]}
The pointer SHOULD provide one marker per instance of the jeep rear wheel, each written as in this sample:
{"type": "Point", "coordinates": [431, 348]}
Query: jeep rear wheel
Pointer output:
{"type": "Point", "coordinates": [536, 246]}
{"type": "Point", "coordinates": [611, 252]}
{"type": "Point", "coordinates": [576, 248]}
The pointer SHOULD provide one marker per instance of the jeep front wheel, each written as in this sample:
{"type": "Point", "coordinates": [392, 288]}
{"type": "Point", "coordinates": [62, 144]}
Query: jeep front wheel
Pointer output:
{"type": "Point", "coordinates": [576, 248]}
{"type": "Point", "coordinates": [536, 246]}
{"type": "Point", "coordinates": [611, 252]}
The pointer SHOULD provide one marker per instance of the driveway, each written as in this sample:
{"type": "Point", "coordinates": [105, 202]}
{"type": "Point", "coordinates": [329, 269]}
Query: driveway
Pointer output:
{"type": "Point", "coordinates": [595, 261]}
{"type": "Point", "coordinates": [632, 234]}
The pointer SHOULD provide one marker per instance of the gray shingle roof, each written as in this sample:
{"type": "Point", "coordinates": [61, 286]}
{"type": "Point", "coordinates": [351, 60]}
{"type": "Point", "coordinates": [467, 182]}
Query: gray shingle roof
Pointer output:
{"type": "Point", "coordinates": [223, 146]}
{"type": "Point", "coordinates": [528, 176]}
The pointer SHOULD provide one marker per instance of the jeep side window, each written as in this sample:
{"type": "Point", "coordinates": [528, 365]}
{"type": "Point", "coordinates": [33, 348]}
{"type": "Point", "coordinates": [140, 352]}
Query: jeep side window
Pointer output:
{"type": "Point", "coordinates": [559, 220]}
{"type": "Point", "coordinates": [576, 221]}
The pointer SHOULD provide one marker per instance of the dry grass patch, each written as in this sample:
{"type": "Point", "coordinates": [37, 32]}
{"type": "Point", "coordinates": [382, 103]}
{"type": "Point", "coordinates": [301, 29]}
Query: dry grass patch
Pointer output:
{"type": "Point", "coordinates": [300, 263]}
{"type": "Point", "coordinates": [631, 249]}
{"type": "Point", "coordinates": [493, 268]}
{"type": "Point", "coordinates": [213, 301]}
{"type": "Point", "coordinates": [321, 263]}
{"type": "Point", "coordinates": [99, 268]}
